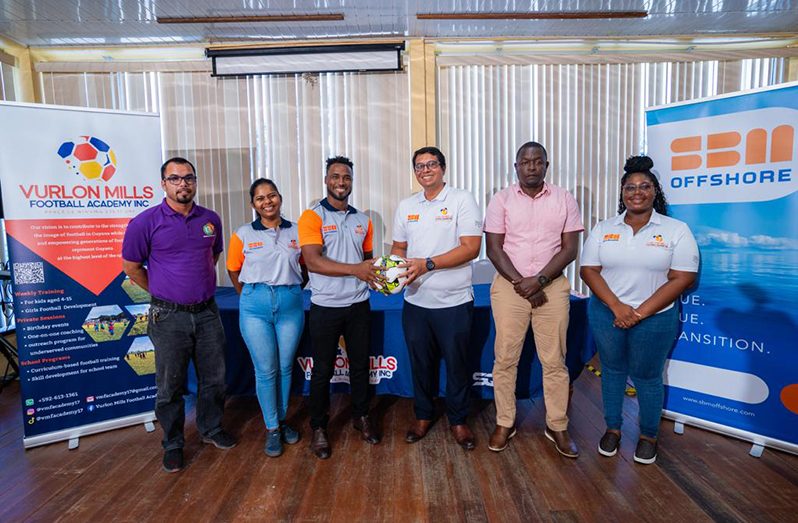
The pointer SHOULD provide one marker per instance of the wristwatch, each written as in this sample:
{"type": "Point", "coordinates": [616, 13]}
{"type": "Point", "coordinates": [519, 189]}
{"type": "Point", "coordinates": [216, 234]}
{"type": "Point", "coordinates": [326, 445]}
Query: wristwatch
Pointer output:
{"type": "Point", "coordinates": [430, 264]}
{"type": "Point", "coordinates": [543, 280]}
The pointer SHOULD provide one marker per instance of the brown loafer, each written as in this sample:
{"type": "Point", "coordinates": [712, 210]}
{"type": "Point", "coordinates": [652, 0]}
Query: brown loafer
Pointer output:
{"type": "Point", "coordinates": [500, 438]}
{"type": "Point", "coordinates": [463, 436]}
{"type": "Point", "coordinates": [563, 442]}
{"type": "Point", "coordinates": [418, 430]}
{"type": "Point", "coordinates": [319, 444]}
{"type": "Point", "coordinates": [366, 429]}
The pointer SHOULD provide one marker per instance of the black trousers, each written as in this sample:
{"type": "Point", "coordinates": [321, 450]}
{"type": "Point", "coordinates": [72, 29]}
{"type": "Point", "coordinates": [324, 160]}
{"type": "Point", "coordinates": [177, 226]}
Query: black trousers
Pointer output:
{"type": "Point", "coordinates": [326, 325]}
{"type": "Point", "coordinates": [430, 333]}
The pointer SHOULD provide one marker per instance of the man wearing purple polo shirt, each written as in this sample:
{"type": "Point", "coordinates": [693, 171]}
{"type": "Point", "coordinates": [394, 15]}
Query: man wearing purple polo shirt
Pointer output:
{"type": "Point", "coordinates": [532, 233]}
{"type": "Point", "coordinates": [180, 243]}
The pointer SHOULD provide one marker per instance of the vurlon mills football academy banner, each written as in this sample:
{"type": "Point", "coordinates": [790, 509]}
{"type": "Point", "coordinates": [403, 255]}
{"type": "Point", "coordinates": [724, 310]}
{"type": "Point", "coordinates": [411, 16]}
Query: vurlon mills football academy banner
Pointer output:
{"type": "Point", "coordinates": [729, 168]}
{"type": "Point", "coordinates": [71, 180]}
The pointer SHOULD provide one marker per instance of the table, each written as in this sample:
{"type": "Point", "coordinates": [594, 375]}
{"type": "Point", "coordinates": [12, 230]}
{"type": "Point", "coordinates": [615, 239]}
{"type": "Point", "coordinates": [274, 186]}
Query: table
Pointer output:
{"type": "Point", "coordinates": [390, 363]}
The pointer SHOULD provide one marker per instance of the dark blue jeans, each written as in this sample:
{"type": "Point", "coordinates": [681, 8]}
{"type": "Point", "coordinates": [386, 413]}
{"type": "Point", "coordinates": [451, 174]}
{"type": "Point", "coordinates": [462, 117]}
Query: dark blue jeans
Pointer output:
{"type": "Point", "coordinates": [640, 353]}
{"type": "Point", "coordinates": [430, 333]}
{"type": "Point", "coordinates": [179, 337]}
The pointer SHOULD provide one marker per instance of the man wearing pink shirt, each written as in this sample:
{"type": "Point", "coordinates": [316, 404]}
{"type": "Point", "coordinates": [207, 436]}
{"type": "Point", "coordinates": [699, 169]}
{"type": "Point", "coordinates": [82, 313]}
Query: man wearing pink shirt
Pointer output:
{"type": "Point", "coordinates": [532, 233]}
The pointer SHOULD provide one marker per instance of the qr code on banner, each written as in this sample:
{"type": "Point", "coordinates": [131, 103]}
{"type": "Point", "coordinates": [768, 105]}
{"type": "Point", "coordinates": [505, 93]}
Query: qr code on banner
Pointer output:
{"type": "Point", "coordinates": [28, 273]}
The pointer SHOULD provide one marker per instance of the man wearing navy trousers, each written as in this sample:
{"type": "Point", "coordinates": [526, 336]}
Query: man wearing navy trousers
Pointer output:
{"type": "Point", "coordinates": [439, 231]}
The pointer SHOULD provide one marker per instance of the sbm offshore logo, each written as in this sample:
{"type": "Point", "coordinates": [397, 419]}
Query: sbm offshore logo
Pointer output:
{"type": "Point", "coordinates": [731, 158]}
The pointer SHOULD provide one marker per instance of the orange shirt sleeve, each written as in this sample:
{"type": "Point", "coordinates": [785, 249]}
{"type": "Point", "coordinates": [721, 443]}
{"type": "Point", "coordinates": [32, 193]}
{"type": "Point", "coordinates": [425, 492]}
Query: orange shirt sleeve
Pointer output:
{"type": "Point", "coordinates": [369, 239]}
{"type": "Point", "coordinates": [309, 229]}
{"type": "Point", "coordinates": [235, 256]}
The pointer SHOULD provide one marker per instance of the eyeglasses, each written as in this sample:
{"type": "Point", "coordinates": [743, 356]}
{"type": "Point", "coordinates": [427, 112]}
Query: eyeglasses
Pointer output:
{"type": "Point", "coordinates": [432, 164]}
{"type": "Point", "coordinates": [643, 187]}
{"type": "Point", "coordinates": [190, 179]}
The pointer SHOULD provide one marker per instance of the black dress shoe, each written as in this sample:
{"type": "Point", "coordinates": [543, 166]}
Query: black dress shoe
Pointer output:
{"type": "Point", "coordinates": [463, 436]}
{"type": "Point", "coordinates": [366, 429]}
{"type": "Point", "coordinates": [418, 430]}
{"type": "Point", "coordinates": [319, 444]}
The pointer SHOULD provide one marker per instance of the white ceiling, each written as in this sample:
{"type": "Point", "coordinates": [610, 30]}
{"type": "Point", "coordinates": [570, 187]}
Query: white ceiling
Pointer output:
{"type": "Point", "coordinates": [48, 23]}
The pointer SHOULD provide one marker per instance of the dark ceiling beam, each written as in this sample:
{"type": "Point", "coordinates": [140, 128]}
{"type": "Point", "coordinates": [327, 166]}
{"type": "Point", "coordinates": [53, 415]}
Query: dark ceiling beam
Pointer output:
{"type": "Point", "coordinates": [539, 15]}
{"type": "Point", "coordinates": [332, 17]}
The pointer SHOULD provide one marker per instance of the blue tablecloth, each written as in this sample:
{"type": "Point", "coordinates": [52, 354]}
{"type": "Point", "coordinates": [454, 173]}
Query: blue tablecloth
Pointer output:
{"type": "Point", "coordinates": [390, 363]}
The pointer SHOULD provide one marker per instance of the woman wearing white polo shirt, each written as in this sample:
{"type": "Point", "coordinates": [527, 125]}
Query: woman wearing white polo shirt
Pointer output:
{"type": "Point", "coordinates": [263, 264]}
{"type": "Point", "coordinates": [636, 264]}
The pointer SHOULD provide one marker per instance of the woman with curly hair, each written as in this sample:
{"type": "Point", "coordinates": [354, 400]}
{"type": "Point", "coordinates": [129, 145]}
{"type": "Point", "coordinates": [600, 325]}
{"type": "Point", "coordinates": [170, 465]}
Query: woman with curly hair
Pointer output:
{"type": "Point", "coordinates": [636, 265]}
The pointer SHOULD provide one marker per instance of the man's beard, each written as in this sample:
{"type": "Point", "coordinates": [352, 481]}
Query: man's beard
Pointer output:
{"type": "Point", "coordinates": [339, 198]}
{"type": "Point", "coordinates": [184, 197]}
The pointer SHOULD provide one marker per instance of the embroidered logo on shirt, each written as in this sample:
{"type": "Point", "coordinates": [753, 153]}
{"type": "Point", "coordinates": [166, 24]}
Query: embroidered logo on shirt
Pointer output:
{"type": "Point", "coordinates": [208, 230]}
{"type": "Point", "coordinates": [412, 218]}
{"type": "Point", "coordinates": [656, 241]}
{"type": "Point", "coordinates": [611, 237]}
{"type": "Point", "coordinates": [255, 245]}
{"type": "Point", "coordinates": [293, 244]}
{"type": "Point", "coordinates": [444, 216]}
{"type": "Point", "coordinates": [329, 228]}
{"type": "Point", "coordinates": [360, 230]}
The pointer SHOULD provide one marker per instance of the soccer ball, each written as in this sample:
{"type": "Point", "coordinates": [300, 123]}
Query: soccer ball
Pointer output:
{"type": "Point", "coordinates": [394, 276]}
{"type": "Point", "coordinates": [90, 157]}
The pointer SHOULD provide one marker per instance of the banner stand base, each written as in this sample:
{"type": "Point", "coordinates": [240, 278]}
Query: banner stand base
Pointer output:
{"type": "Point", "coordinates": [149, 426]}
{"type": "Point", "coordinates": [74, 434]}
{"type": "Point", "coordinates": [678, 427]}
{"type": "Point", "coordinates": [758, 441]}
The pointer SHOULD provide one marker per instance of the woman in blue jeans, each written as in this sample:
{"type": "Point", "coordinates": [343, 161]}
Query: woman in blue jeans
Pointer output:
{"type": "Point", "coordinates": [636, 265]}
{"type": "Point", "coordinates": [264, 266]}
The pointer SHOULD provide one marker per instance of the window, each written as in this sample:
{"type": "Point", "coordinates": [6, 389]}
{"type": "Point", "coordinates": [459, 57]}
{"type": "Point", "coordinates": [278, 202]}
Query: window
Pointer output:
{"type": "Point", "coordinates": [279, 127]}
{"type": "Point", "coordinates": [590, 117]}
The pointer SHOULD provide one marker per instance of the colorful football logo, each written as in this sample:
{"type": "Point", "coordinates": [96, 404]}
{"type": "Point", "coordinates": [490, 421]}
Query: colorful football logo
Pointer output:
{"type": "Point", "coordinates": [89, 157]}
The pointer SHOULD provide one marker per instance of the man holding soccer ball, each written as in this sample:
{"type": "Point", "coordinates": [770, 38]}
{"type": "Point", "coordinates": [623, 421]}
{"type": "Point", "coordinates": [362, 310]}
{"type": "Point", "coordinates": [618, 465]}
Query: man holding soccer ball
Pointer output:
{"type": "Point", "coordinates": [336, 242]}
{"type": "Point", "coordinates": [439, 231]}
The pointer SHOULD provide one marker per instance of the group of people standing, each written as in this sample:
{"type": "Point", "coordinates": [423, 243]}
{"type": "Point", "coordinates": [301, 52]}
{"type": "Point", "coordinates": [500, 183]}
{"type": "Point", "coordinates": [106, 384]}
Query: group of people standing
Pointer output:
{"type": "Point", "coordinates": [636, 264]}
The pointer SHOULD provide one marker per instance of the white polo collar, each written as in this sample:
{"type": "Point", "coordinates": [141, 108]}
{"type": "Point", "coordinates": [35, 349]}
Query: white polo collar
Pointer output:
{"type": "Point", "coordinates": [656, 218]}
{"type": "Point", "coordinates": [441, 196]}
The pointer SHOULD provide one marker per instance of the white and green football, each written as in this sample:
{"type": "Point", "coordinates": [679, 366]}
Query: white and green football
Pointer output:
{"type": "Point", "coordinates": [393, 275]}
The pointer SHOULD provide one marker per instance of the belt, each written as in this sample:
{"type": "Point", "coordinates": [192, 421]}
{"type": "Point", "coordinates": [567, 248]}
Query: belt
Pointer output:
{"type": "Point", "coordinates": [193, 308]}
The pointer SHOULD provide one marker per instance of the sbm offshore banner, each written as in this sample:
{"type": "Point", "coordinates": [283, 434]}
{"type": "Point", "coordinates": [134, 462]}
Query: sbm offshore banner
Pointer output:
{"type": "Point", "coordinates": [729, 167]}
{"type": "Point", "coordinates": [71, 180]}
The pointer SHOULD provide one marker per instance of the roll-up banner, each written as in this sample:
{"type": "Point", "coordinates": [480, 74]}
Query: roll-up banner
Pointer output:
{"type": "Point", "coordinates": [729, 168]}
{"type": "Point", "coordinates": [71, 180]}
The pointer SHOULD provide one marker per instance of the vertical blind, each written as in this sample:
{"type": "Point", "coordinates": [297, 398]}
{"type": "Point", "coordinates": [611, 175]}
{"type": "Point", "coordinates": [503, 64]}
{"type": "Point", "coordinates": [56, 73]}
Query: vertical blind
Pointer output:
{"type": "Point", "coordinates": [279, 127]}
{"type": "Point", "coordinates": [6, 83]}
{"type": "Point", "coordinates": [7, 317]}
{"type": "Point", "coordinates": [590, 117]}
